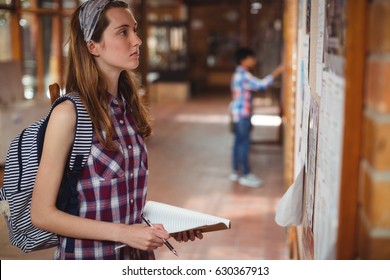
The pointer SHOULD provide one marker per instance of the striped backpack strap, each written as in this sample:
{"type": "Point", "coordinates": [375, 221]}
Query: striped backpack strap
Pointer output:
{"type": "Point", "coordinates": [79, 154]}
{"type": "Point", "coordinates": [68, 196]}
{"type": "Point", "coordinates": [83, 135]}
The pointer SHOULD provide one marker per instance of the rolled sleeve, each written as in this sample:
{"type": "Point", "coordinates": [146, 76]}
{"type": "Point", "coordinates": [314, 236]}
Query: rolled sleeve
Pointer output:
{"type": "Point", "coordinates": [255, 83]}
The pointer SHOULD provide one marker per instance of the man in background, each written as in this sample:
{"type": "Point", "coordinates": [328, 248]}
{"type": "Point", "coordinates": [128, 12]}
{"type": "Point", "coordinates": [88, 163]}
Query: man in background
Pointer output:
{"type": "Point", "coordinates": [241, 106]}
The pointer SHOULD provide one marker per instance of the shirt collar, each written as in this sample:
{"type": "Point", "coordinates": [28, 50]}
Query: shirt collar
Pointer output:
{"type": "Point", "coordinates": [114, 100]}
{"type": "Point", "coordinates": [241, 69]}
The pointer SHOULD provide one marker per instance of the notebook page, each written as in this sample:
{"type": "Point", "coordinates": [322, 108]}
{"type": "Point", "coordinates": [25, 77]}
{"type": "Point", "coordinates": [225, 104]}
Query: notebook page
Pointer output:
{"type": "Point", "coordinates": [177, 219]}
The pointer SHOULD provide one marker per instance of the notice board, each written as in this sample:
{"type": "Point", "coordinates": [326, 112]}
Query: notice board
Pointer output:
{"type": "Point", "coordinates": [319, 131]}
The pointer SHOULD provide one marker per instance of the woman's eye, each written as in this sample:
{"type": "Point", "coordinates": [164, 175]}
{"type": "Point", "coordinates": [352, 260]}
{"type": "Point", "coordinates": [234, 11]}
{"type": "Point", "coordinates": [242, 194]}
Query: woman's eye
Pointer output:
{"type": "Point", "coordinates": [123, 32]}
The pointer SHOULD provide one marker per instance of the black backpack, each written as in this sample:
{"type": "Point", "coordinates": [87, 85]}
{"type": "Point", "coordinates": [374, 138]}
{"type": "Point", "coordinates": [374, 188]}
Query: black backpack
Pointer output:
{"type": "Point", "coordinates": [21, 167]}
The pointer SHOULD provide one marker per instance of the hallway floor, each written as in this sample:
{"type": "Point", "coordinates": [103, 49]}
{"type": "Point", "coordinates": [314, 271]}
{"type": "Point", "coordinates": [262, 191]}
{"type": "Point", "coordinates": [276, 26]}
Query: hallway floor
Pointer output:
{"type": "Point", "coordinates": [189, 163]}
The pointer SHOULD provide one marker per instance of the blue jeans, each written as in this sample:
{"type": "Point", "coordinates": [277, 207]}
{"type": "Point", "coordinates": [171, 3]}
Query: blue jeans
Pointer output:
{"type": "Point", "coordinates": [241, 146]}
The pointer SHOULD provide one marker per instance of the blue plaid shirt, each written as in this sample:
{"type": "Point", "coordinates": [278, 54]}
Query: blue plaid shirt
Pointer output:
{"type": "Point", "coordinates": [242, 83]}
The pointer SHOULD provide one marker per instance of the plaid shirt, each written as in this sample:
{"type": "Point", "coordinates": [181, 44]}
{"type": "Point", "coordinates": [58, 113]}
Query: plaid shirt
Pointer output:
{"type": "Point", "coordinates": [242, 83]}
{"type": "Point", "coordinates": [112, 188]}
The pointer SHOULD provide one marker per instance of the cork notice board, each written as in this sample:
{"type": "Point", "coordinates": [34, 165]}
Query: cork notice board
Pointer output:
{"type": "Point", "coordinates": [319, 121]}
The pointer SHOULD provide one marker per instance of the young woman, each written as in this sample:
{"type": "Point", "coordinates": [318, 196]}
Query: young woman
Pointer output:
{"type": "Point", "coordinates": [103, 47]}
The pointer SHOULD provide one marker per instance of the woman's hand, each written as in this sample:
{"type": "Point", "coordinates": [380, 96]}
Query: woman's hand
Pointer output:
{"type": "Point", "coordinates": [188, 235]}
{"type": "Point", "coordinates": [145, 238]}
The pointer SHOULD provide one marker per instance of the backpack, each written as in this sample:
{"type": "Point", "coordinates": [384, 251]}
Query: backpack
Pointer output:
{"type": "Point", "coordinates": [21, 167]}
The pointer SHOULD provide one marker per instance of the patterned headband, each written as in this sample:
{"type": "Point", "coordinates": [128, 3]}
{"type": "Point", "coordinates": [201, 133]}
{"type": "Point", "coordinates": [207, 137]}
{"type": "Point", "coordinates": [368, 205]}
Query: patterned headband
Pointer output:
{"type": "Point", "coordinates": [89, 14]}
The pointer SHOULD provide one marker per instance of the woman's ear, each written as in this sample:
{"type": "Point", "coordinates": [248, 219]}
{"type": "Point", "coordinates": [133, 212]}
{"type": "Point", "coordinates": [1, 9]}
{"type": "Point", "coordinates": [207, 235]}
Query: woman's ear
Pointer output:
{"type": "Point", "coordinates": [93, 48]}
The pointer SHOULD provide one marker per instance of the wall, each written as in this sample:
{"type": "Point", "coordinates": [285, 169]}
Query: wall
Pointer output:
{"type": "Point", "coordinates": [374, 198]}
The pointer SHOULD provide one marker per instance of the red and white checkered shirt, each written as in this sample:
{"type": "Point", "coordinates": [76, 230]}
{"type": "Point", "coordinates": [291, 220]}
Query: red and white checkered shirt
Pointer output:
{"type": "Point", "coordinates": [112, 188]}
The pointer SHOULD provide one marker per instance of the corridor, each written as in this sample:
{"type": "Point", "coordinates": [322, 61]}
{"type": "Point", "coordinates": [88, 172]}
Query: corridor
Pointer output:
{"type": "Point", "coordinates": [189, 164]}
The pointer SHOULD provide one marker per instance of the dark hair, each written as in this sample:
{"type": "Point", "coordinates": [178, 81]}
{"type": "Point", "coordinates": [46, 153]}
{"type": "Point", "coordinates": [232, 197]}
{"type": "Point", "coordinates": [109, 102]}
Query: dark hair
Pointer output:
{"type": "Point", "coordinates": [243, 53]}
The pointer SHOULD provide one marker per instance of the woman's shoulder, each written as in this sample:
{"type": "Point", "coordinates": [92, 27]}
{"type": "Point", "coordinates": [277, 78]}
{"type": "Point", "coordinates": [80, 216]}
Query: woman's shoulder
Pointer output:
{"type": "Point", "coordinates": [64, 115]}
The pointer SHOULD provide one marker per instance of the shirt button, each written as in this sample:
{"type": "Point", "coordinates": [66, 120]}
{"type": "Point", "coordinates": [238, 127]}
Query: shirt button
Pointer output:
{"type": "Point", "coordinates": [131, 175]}
{"type": "Point", "coordinates": [131, 201]}
{"type": "Point", "coordinates": [121, 121]}
{"type": "Point", "coordinates": [130, 147]}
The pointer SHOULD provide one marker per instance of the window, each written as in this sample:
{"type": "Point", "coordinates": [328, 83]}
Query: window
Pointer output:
{"type": "Point", "coordinates": [167, 47]}
{"type": "Point", "coordinates": [167, 36]}
{"type": "Point", "coordinates": [39, 46]}
{"type": "Point", "coordinates": [6, 2]}
{"type": "Point", "coordinates": [5, 35]}
{"type": "Point", "coordinates": [34, 33]}
{"type": "Point", "coordinates": [40, 4]}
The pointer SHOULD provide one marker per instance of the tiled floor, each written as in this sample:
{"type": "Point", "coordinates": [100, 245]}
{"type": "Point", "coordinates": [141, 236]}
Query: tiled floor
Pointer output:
{"type": "Point", "coordinates": [189, 162]}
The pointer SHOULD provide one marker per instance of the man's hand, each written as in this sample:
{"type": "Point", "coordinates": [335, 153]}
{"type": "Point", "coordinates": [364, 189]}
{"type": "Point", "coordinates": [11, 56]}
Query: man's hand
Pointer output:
{"type": "Point", "coordinates": [278, 70]}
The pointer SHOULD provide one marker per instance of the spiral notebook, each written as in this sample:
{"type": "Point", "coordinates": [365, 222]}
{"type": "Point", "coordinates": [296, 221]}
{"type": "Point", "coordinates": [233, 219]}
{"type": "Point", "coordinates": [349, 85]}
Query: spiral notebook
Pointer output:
{"type": "Point", "coordinates": [177, 219]}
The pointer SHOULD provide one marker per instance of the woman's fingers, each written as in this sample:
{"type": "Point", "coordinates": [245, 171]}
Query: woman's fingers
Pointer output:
{"type": "Point", "coordinates": [199, 234]}
{"type": "Point", "coordinates": [188, 235]}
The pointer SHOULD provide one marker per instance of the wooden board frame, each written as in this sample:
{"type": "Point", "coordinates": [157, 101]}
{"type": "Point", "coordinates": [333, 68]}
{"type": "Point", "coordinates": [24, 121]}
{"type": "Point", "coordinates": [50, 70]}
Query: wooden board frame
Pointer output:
{"type": "Point", "coordinates": [354, 97]}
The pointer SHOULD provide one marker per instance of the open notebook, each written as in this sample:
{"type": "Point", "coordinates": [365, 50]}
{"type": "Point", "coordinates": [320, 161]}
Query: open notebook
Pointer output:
{"type": "Point", "coordinates": [177, 219]}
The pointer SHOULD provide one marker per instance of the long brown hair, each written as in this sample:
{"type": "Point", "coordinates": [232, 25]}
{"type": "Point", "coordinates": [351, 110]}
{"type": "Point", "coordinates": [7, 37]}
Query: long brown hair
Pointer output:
{"type": "Point", "coordinates": [83, 76]}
